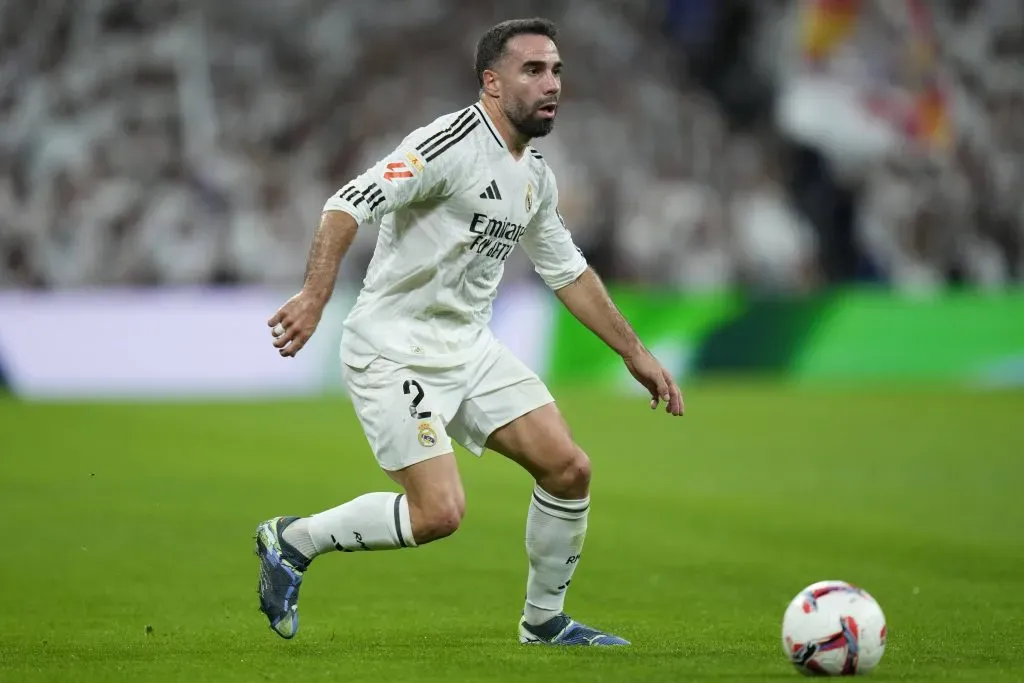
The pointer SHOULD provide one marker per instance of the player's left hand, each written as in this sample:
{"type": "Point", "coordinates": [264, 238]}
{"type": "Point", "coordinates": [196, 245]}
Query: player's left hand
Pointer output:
{"type": "Point", "coordinates": [657, 380]}
{"type": "Point", "coordinates": [295, 322]}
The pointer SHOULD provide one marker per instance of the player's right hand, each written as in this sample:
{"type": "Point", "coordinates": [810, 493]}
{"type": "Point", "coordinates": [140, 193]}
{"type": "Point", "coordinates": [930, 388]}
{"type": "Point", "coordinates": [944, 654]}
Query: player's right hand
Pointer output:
{"type": "Point", "coordinates": [295, 322]}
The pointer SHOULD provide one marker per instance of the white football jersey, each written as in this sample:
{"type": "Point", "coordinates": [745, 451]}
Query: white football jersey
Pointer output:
{"type": "Point", "coordinates": [453, 203]}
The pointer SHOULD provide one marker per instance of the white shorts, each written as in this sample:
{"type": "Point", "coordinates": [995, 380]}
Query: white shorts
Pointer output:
{"type": "Point", "coordinates": [411, 414]}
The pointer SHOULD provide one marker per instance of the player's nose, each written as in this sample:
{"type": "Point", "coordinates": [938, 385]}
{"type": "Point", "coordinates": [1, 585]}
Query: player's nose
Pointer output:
{"type": "Point", "coordinates": [551, 84]}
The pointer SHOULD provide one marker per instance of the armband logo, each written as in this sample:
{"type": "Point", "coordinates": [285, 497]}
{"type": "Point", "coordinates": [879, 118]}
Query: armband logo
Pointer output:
{"type": "Point", "coordinates": [397, 170]}
{"type": "Point", "coordinates": [416, 162]}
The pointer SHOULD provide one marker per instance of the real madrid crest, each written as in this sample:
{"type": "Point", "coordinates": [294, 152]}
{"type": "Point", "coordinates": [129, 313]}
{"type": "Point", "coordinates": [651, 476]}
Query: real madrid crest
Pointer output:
{"type": "Point", "coordinates": [427, 436]}
{"type": "Point", "coordinates": [529, 197]}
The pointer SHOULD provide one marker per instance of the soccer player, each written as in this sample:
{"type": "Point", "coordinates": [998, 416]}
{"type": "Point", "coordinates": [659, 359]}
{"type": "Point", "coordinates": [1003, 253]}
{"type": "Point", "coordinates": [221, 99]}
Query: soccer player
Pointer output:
{"type": "Point", "coordinates": [419, 360]}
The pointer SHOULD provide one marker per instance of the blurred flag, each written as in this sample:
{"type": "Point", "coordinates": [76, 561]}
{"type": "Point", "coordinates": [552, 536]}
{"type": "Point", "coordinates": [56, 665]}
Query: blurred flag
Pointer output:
{"type": "Point", "coordinates": [931, 125]}
{"type": "Point", "coordinates": [825, 24]}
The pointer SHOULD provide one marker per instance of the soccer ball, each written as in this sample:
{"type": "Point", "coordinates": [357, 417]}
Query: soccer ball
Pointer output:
{"type": "Point", "coordinates": [833, 628]}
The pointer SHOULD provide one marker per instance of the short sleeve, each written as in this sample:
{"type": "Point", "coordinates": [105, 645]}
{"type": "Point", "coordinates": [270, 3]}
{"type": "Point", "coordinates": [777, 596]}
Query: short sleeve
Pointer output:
{"type": "Point", "coordinates": [548, 243]}
{"type": "Point", "coordinates": [400, 179]}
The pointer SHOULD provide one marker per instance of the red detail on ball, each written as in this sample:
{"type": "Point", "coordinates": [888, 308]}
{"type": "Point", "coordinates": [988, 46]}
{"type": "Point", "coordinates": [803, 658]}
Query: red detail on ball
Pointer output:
{"type": "Point", "coordinates": [808, 607]}
{"type": "Point", "coordinates": [854, 629]}
{"type": "Point", "coordinates": [883, 635]}
{"type": "Point", "coordinates": [825, 590]}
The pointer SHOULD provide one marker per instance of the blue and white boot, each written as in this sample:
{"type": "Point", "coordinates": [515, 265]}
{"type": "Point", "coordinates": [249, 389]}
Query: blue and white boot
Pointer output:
{"type": "Point", "coordinates": [281, 570]}
{"type": "Point", "coordinates": [563, 630]}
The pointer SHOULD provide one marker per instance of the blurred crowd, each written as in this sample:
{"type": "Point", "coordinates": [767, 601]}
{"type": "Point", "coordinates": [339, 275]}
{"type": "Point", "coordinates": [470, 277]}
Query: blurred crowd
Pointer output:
{"type": "Point", "coordinates": [777, 146]}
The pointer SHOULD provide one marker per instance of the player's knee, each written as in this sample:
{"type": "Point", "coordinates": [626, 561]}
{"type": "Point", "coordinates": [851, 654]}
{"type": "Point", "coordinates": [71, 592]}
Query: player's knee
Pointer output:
{"type": "Point", "coordinates": [570, 476]}
{"type": "Point", "coordinates": [438, 518]}
{"type": "Point", "coordinates": [440, 522]}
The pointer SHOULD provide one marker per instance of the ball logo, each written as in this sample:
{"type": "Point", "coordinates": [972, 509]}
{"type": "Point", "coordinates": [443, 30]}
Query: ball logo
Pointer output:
{"type": "Point", "coordinates": [427, 436]}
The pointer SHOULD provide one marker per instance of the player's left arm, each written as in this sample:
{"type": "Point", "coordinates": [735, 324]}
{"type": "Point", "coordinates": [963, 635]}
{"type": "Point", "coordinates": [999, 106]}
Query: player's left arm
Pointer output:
{"type": "Point", "coordinates": [562, 266]}
{"type": "Point", "coordinates": [588, 300]}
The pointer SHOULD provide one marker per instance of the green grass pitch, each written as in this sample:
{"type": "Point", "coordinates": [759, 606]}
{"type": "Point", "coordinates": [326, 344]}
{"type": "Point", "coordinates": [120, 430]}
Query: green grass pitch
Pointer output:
{"type": "Point", "coordinates": [128, 552]}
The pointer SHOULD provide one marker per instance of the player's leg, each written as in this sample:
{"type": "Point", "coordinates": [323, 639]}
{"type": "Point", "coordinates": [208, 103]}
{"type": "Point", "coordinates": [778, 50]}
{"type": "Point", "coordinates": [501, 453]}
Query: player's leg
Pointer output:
{"type": "Point", "coordinates": [431, 507]}
{"type": "Point", "coordinates": [509, 410]}
{"type": "Point", "coordinates": [401, 416]}
{"type": "Point", "coordinates": [556, 523]}
{"type": "Point", "coordinates": [436, 499]}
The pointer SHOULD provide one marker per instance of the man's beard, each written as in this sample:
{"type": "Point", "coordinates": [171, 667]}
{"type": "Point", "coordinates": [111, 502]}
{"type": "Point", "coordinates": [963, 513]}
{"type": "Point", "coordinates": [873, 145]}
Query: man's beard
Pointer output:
{"type": "Point", "coordinates": [527, 123]}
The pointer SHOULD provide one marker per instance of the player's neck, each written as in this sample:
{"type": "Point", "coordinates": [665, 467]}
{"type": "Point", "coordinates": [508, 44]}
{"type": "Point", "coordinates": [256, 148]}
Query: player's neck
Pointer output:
{"type": "Point", "coordinates": [515, 141]}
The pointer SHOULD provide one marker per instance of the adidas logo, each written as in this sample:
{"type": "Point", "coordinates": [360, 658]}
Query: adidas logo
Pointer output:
{"type": "Point", "coordinates": [491, 192]}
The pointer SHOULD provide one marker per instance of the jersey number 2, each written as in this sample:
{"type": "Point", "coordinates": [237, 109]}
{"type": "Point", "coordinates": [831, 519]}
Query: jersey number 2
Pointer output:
{"type": "Point", "coordinates": [409, 385]}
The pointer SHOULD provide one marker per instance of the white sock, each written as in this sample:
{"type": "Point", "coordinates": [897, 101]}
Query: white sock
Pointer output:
{"type": "Point", "coordinates": [555, 529]}
{"type": "Point", "coordinates": [373, 521]}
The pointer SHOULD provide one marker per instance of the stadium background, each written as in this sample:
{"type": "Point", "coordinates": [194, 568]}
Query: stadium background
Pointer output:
{"type": "Point", "coordinates": [163, 160]}
{"type": "Point", "coordinates": [811, 211]}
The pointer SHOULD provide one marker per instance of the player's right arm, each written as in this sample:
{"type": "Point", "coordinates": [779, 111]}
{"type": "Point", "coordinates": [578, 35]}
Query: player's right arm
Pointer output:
{"type": "Point", "coordinates": [296, 321]}
{"type": "Point", "coordinates": [404, 177]}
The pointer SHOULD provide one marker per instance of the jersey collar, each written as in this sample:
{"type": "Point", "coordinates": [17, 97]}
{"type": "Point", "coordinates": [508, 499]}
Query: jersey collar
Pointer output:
{"type": "Point", "coordinates": [490, 126]}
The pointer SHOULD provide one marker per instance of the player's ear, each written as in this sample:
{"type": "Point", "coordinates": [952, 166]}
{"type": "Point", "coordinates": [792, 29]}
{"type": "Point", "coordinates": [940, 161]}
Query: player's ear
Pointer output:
{"type": "Point", "coordinates": [491, 85]}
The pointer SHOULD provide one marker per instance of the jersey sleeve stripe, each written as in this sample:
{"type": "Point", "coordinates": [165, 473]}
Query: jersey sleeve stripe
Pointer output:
{"type": "Point", "coordinates": [373, 195]}
{"type": "Point", "coordinates": [348, 193]}
{"type": "Point", "coordinates": [370, 193]}
{"type": "Point", "coordinates": [490, 128]}
{"type": "Point", "coordinates": [359, 197]}
{"type": "Point", "coordinates": [427, 149]}
{"type": "Point", "coordinates": [452, 142]}
{"type": "Point", "coordinates": [466, 114]}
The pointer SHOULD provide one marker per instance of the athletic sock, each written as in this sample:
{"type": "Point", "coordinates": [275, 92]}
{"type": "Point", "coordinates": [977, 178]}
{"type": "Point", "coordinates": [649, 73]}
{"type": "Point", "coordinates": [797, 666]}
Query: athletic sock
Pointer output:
{"type": "Point", "coordinates": [555, 529]}
{"type": "Point", "coordinates": [373, 521]}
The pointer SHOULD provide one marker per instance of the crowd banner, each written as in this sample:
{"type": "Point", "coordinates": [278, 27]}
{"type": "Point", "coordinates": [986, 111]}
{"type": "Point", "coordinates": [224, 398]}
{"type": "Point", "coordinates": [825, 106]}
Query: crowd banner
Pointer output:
{"type": "Point", "coordinates": [963, 338]}
{"type": "Point", "coordinates": [210, 342]}
{"type": "Point", "coordinates": [157, 343]}
{"type": "Point", "coordinates": [181, 343]}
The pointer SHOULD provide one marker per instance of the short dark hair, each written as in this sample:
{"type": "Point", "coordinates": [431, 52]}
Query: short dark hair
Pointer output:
{"type": "Point", "coordinates": [491, 47]}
